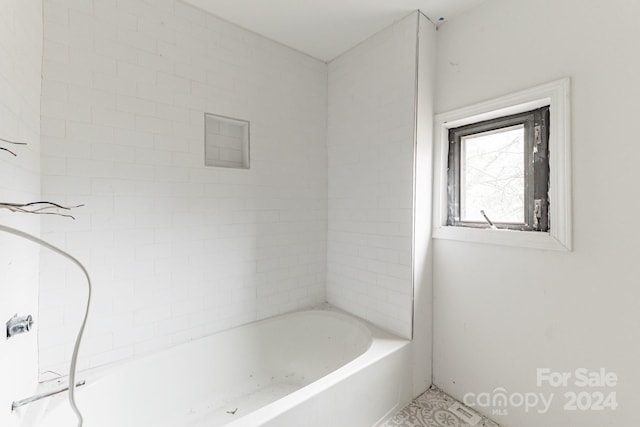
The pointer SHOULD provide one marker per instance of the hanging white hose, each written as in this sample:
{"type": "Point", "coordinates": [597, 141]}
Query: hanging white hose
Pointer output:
{"type": "Point", "coordinates": [74, 357]}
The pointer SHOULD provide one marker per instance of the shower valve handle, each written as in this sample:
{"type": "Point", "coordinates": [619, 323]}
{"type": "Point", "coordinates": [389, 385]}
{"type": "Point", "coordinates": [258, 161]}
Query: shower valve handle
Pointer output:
{"type": "Point", "coordinates": [18, 325]}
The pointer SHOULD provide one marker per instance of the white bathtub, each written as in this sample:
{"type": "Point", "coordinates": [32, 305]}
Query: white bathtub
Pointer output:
{"type": "Point", "coordinates": [310, 368]}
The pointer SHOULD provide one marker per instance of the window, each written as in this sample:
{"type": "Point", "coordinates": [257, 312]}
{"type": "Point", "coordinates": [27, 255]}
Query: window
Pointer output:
{"type": "Point", "coordinates": [509, 166]}
{"type": "Point", "coordinates": [498, 173]}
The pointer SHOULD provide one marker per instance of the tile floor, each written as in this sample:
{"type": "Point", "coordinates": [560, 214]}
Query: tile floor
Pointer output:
{"type": "Point", "coordinates": [430, 409]}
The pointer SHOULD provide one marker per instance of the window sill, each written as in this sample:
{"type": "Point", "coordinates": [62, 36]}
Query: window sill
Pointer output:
{"type": "Point", "coordinates": [523, 239]}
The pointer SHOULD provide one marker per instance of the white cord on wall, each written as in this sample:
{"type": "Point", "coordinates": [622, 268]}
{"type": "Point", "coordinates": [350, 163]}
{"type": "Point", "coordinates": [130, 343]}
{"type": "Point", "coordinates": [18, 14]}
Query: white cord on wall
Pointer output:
{"type": "Point", "coordinates": [74, 357]}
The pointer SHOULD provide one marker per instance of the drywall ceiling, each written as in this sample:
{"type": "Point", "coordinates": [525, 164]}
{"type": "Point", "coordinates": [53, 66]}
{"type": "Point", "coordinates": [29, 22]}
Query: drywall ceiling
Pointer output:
{"type": "Point", "coordinates": [325, 28]}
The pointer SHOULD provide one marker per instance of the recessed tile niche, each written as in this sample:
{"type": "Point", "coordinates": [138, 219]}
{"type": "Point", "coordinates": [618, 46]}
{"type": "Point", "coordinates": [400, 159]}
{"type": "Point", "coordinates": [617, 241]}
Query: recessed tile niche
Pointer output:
{"type": "Point", "coordinates": [226, 142]}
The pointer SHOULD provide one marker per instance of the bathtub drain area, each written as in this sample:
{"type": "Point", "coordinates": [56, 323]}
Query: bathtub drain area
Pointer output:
{"type": "Point", "coordinates": [252, 395]}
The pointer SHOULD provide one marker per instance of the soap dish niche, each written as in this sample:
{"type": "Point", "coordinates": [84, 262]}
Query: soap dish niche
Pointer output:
{"type": "Point", "coordinates": [226, 142]}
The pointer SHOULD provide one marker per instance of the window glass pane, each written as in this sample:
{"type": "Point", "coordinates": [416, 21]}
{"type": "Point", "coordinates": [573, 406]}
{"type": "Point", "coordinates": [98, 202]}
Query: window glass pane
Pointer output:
{"type": "Point", "coordinates": [492, 175]}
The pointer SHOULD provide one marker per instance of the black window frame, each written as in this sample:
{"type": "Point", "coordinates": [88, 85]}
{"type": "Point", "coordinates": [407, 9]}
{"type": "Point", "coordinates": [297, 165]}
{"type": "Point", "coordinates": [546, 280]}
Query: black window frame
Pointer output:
{"type": "Point", "coordinates": [536, 179]}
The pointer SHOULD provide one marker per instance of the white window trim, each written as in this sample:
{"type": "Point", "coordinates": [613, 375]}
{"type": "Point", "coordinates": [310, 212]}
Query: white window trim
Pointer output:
{"type": "Point", "coordinates": [555, 94]}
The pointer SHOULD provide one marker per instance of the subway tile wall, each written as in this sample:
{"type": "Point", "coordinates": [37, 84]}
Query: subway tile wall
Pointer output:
{"type": "Point", "coordinates": [20, 71]}
{"type": "Point", "coordinates": [371, 146]}
{"type": "Point", "coordinates": [176, 250]}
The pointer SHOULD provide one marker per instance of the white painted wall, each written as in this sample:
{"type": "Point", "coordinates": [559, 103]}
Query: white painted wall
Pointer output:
{"type": "Point", "coordinates": [176, 250]}
{"type": "Point", "coordinates": [20, 68]}
{"type": "Point", "coordinates": [500, 312]}
{"type": "Point", "coordinates": [371, 143]}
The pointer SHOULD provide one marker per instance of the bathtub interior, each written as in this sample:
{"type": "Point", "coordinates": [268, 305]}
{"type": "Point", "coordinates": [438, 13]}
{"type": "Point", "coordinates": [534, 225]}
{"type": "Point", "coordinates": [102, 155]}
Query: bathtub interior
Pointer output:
{"type": "Point", "coordinates": [220, 378]}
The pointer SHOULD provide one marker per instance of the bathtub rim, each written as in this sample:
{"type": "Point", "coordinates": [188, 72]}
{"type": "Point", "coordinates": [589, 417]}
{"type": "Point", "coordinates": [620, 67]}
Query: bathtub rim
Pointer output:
{"type": "Point", "coordinates": [381, 344]}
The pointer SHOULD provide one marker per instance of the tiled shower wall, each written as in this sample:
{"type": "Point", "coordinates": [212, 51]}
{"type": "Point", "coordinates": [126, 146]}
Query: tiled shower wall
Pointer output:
{"type": "Point", "coordinates": [371, 143]}
{"type": "Point", "coordinates": [176, 250]}
{"type": "Point", "coordinates": [20, 70]}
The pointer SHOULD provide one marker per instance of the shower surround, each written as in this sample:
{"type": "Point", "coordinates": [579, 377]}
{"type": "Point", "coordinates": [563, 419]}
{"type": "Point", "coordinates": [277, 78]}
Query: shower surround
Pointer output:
{"type": "Point", "coordinates": [177, 250]}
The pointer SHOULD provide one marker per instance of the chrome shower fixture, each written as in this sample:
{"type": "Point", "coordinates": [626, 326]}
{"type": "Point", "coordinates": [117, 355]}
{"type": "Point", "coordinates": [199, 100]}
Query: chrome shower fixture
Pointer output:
{"type": "Point", "coordinates": [18, 325]}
